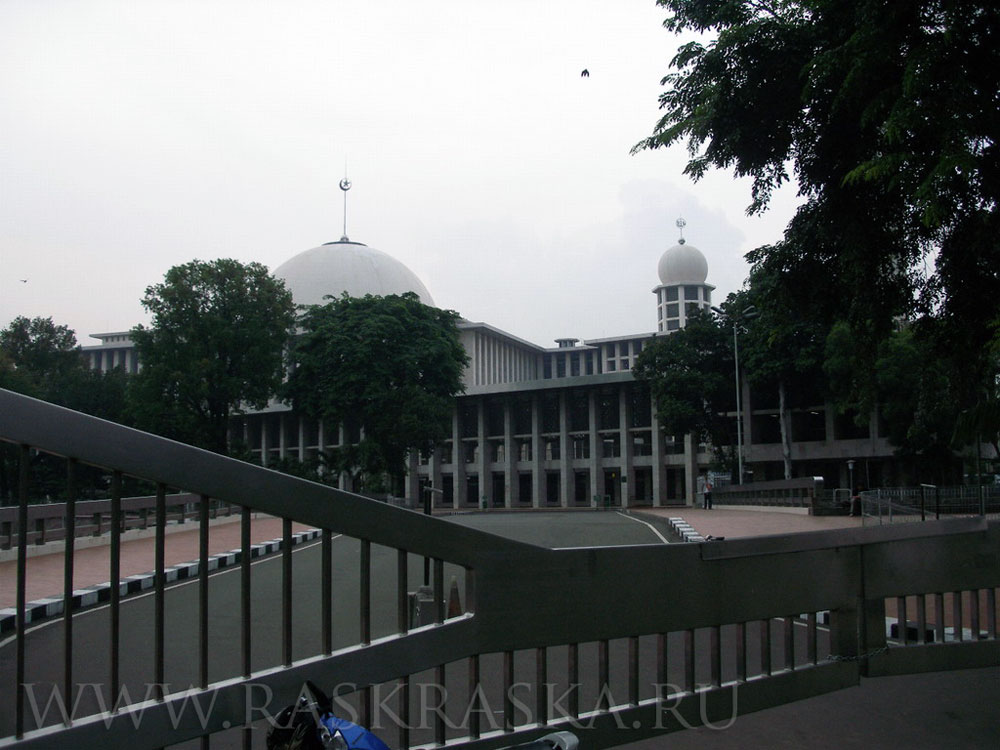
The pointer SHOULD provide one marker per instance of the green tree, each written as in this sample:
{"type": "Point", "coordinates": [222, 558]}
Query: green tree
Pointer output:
{"type": "Point", "coordinates": [41, 359]}
{"type": "Point", "coordinates": [690, 376]}
{"type": "Point", "coordinates": [390, 366]}
{"type": "Point", "coordinates": [885, 114]}
{"type": "Point", "coordinates": [215, 345]}
{"type": "Point", "coordinates": [782, 348]}
{"type": "Point", "coordinates": [37, 356]}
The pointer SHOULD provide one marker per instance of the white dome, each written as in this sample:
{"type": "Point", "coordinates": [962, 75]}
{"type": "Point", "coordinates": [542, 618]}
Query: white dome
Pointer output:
{"type": "Point", "coordinates": [683, 264]}
{"type": "Point", "coordinates": [338, 267]}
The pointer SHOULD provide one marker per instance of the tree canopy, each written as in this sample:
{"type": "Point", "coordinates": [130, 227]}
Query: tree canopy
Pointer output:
{"type": "Point", "coordinates": [215, 344]}
{"type": "Point", "coordinates": [37, 356]}
{"type": "Point", "coordinates": [886, 115]}
{"type": "Point", "coordinates": [390, 366]}
{"type": "Point", "coordinates": [40, 358]}
{"type": "Point", "coordinates": [690, 376]}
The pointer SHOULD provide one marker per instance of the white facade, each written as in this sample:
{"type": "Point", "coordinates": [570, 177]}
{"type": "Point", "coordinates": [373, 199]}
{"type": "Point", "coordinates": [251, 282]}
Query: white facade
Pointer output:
{"type": "Point", "coordinates": [542, 426]}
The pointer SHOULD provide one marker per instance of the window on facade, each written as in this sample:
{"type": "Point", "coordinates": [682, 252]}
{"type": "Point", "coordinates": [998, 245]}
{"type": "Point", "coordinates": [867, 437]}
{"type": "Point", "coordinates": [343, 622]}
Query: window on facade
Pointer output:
{"type": "Point", "coordinates": [607, 411]}
{"type": "Point", "coordinates": [611, 446]}
{"type": "Point", "coordinates": [522, 417]}
{"type": "Point", "coordinates": [690, 292]}
{"type": "Point", "coordinates": [560, 367]}
{"type": "Point", "coordinates": [574, 364]}
{"type": "Point", "coordinates": [845, 427]}
{"type": "Point", "coordinates": [494, 418]}
{"type": "Point", "coordinates": [673, 310]}
{"type": "Point", "coordinates": [469, 420]}
{"type": "Point", "coordinates": [551, 450]}
{"type": "Point", "coordinates": [499, 452]}
{"type": "Point", "coordinates": [550, 414]}
{"type": "Point", "coordinates": [579, 411]}
{"type": "Point", "coordinates": [524, 450]}
{"type": "Point", "coordinates": [547, 369]}
{"type": "Point", "coordinates": [612, 365]}
{"type": "Point", "coordinates": [642, 445]}
{"type": "Point", "coordinates": [640, 406]}
{"type": "Point", "coordinates": [808, 425]}
{"type": "Point", "coordinates": [671, 295]}
{"type": "Point", "coordinates": [471, 453]}
{"type": "Point", "coordinates": [690, 308]}
{"type": "Point", "coordinates": [673, 325]}
{"type": "Point", "coordinates": [581, 447]}
{"type": "Point", "coordinates": [625, 364]}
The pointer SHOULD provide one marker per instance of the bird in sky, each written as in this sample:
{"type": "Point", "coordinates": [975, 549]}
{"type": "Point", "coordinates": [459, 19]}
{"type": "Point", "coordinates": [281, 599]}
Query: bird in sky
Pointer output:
{"type": "Point", "coordinates": [585, 73]}
{"type": "Point", "coordinates": [23, 281]}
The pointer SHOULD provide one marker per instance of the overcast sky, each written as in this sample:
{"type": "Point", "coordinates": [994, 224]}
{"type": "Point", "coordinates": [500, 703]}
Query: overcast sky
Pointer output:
{"type": "Point", "coordinates": [135, 136]}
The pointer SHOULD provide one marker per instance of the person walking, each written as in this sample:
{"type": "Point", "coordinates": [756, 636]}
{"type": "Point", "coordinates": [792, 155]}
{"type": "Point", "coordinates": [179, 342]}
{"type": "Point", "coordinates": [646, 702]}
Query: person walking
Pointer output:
{"type": "Point", "coordinates": [707, 504]}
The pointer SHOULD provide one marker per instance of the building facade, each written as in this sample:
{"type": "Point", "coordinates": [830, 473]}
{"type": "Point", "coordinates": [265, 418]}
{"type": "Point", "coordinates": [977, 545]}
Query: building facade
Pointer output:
{"type": "Point", "coordinates": [562, 426]}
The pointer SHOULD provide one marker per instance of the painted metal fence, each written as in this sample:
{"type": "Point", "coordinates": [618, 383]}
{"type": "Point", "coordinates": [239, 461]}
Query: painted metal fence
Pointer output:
{"type": "Point", "coordinates": [888, 505]}
{"type": "Point", "coordinates": [616, 643]}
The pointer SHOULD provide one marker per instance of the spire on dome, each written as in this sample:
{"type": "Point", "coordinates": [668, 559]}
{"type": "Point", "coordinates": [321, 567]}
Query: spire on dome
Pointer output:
{"type": "Point", "coordinates": [345, 185]}
{"type": "Point", "coordinates": [680, 225]}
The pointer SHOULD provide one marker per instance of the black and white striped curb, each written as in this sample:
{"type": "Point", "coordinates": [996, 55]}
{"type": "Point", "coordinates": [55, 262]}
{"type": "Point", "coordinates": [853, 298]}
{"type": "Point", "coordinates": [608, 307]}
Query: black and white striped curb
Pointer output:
{"type": "Point", "coordinates": [101, 593]}
{"type": "Point", "coordinates": [684, 530]}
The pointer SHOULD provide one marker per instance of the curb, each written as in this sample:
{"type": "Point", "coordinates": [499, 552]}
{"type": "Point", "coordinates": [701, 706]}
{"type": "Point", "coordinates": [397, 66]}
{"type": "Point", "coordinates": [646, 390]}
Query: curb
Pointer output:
{"type": "Point", "coordinates": [684, 530]}
{"type": "Point", "coordinates": [100, 593]}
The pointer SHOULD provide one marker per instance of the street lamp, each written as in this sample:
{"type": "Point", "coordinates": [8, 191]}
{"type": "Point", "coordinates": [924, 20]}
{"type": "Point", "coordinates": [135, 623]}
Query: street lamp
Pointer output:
{"type": "Point", "coordinates": [747, 313]}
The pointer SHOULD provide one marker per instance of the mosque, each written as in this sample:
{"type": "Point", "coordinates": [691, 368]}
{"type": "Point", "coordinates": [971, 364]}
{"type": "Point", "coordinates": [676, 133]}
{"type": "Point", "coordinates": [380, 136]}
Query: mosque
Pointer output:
{"type": "Point", "coordinates": [562, 426]}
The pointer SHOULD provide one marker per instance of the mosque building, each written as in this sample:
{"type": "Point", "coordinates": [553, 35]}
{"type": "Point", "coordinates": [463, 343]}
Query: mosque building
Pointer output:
{"type": "Point", "coordinates": [561, 426]}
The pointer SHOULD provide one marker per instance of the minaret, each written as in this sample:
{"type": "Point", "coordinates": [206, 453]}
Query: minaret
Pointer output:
{"type": "Point", "coordinates": [683, 271]}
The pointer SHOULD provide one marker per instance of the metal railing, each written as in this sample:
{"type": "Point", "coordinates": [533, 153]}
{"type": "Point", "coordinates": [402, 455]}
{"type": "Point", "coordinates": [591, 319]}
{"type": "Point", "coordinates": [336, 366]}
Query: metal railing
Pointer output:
{"type": "Point", "coordinates": [47, 522]}
{"type": "Point", "coordinates": [801, 492]}
{"type": "Point", "coordinates": [615, 643]}
{"type": "Point", "coordinates": [907, 504]}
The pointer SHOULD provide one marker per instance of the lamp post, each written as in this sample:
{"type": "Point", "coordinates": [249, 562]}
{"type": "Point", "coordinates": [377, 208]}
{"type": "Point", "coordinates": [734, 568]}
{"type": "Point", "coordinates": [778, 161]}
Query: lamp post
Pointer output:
{"type": "Point", "coordinates": [747, 313]}
{"type": "Point", "coordinates": [850, 471]}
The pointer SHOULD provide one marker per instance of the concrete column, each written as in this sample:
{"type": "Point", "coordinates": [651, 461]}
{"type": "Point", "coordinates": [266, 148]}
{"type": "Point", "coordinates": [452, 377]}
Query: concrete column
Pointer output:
{"type": "Point", "coordinates": [690, 469]}
{"type": "Point", "coordinates": [596, 469]}
{"type": "Point", "coordinates": [321, 443]}
{"type": "Point", "coordinates": [485, 476]}
{"type": "Point", "coordinates": [537, 472]}
{"type": "Point", "coordinates": [263, 440]}
{"type": "Point", "coordinates": [343, 480]}
{"type": "Point", "coordinates": [659, 461]}
{"type": "Point", "coordinates": [511, 486]}
{"type": "Point", "coordinates": [747, 408]}
{"type": "Point", "coordinates": [458, 482]}
{"type": "Point", "coordinates": [282, 443]}
{"type": "Point", "coordinates": [411, 488]}
{"type": "Point", "coordinates": [625, 438]}
{"type": "Point", "coordinates": [565, 452]}
{"type": "Point", "coordinates": [434, 475]}
{"type": "Point", "coordinates": [302, 440]}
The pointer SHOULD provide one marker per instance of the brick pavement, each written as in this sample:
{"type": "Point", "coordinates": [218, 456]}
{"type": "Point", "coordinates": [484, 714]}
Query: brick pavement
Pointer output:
{"type": "Point", "coordinates": [91, 564]}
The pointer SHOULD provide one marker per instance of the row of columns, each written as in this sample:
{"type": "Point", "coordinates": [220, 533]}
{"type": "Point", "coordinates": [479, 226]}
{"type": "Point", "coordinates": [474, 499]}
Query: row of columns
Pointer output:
{"type": "Point", "coordinates": [596, 465]}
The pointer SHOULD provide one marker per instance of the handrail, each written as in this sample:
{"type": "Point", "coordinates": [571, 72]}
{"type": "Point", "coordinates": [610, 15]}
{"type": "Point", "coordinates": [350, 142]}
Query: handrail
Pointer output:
{"type": "Point", "coordinates": [688, 603]}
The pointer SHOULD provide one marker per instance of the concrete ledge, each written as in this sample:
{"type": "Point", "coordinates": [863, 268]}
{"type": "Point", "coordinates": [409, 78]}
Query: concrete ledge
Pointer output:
{"type": "Point", "coordinates": [797, 510]}
{"type": "Point", "coordinates": [83, 542]}
{"type": "Point", "coordinates": [101, 593]}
